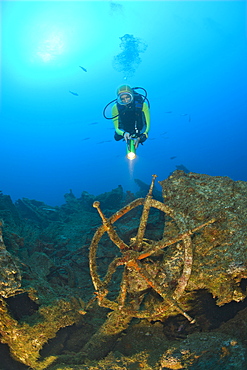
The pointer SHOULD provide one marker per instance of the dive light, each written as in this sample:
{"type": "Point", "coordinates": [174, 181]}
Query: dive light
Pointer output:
{"type": "Point", "coordinates": [131, 149]}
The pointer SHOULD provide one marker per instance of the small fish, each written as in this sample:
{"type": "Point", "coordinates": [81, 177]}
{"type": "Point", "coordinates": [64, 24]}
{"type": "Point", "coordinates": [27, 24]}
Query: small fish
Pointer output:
{"type": "Point", "coordinates": [173, 157]}
{"type": "Point", "coordinates": [74, 93]}
{"type": "Point", "coordinates": [86, 138]}
{"type": "Point", "coordinates": [93, 123]}
{"type": "Point", "coordinates": [186, 114]}
{"type": "Point", "coordinates": [101, 142]}
{"type": "Point", "coordinates": [84, 69]}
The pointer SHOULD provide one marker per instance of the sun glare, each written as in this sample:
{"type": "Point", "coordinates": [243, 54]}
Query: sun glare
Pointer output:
{"type": "Point", "coordinates": [51, 46]}
{"type": "Point", "coordinates": [41, 39]}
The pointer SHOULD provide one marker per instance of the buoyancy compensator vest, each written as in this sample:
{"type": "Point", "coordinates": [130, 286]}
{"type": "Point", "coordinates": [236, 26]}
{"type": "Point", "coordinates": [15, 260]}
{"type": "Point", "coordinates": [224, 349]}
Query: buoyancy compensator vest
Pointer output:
{"type": "Point", "coordinates": [131, 117]}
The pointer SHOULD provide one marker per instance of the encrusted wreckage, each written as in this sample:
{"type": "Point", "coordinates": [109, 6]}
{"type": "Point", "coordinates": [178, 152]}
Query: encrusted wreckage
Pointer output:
{"type": "Point", "coordinates": [160, 263]}
{"type": "Point", "coordinates": [135, 253]}
{"type": "Point", "coordinates": [10, 276]}
{"type": "Point", "coordinates": [141, 273]}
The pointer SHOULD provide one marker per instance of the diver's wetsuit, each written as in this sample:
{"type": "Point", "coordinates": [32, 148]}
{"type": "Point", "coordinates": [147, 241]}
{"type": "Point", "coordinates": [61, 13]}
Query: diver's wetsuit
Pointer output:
{"type": "Point", "coordinates": [133, 118]}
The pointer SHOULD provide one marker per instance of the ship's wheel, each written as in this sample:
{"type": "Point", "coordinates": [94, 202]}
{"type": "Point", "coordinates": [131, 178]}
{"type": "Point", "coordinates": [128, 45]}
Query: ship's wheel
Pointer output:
{"type": "Point", "coordinates": [133, 257]}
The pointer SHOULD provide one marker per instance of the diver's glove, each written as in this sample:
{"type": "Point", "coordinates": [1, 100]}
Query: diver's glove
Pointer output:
{"type": "Point", "coordinates": [127, 136]}
{"type": "Point", "coordinates": [142, 138]}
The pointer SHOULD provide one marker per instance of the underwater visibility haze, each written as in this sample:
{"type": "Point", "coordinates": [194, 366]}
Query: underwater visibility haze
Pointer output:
{"type": "Point", "coordinates": [61, 64]}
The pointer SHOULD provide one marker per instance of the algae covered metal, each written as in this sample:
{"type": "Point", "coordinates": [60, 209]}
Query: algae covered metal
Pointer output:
{"type": "Point", "coordinates": [133, 256]}
{"type": "Point", "coordinates": [10, 275]}
{"type": "Point", "coordinates": [167, 260]}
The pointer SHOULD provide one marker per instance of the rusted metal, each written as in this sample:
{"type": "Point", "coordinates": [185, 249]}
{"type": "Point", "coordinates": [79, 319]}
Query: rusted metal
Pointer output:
{"type": "Point", "coordinates": [137, 251]}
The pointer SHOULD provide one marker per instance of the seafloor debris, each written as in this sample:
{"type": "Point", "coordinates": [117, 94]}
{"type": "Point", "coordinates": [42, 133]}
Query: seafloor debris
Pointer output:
{"type": "Point", "coordinates": [170, 262]}
{"type": "Point", "coordinates": [133, 255]}
{"type": "Point", "coordinates": [10, 276]}
{"type": "Point", "coordinates": [141, 273]}
{"type": "Point", "coordinates": [220, 253]}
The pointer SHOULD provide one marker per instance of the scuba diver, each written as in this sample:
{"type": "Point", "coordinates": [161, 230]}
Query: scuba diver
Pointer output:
{"type": "Point", "coordinates": [130, 115]}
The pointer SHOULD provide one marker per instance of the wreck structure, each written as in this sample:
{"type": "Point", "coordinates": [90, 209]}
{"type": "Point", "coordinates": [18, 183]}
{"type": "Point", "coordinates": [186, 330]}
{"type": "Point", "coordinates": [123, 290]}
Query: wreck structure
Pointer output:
{"type": "Point", "coordinates": [157, 262]}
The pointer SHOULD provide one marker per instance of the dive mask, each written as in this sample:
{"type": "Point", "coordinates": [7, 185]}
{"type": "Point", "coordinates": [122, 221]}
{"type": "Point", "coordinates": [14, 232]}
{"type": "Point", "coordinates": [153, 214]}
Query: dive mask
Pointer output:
{"type": "Point", "coordinates": [125, 98]}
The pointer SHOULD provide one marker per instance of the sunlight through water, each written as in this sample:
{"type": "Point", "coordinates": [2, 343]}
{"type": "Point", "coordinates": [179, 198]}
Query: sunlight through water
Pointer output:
{"type": "Point", "coordinates": [51, 46]}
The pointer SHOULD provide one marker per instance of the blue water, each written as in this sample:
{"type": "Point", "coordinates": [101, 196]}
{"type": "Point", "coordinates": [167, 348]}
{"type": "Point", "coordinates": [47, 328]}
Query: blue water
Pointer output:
{"type": "Point", "coordinates": [194, 67]}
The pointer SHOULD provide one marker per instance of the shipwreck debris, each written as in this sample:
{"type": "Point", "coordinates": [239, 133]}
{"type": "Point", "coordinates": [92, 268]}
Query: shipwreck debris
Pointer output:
{"type": "Point", "coordinates": [134, 254]}
{"type": "Point", "coordinates": [10, 276]}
